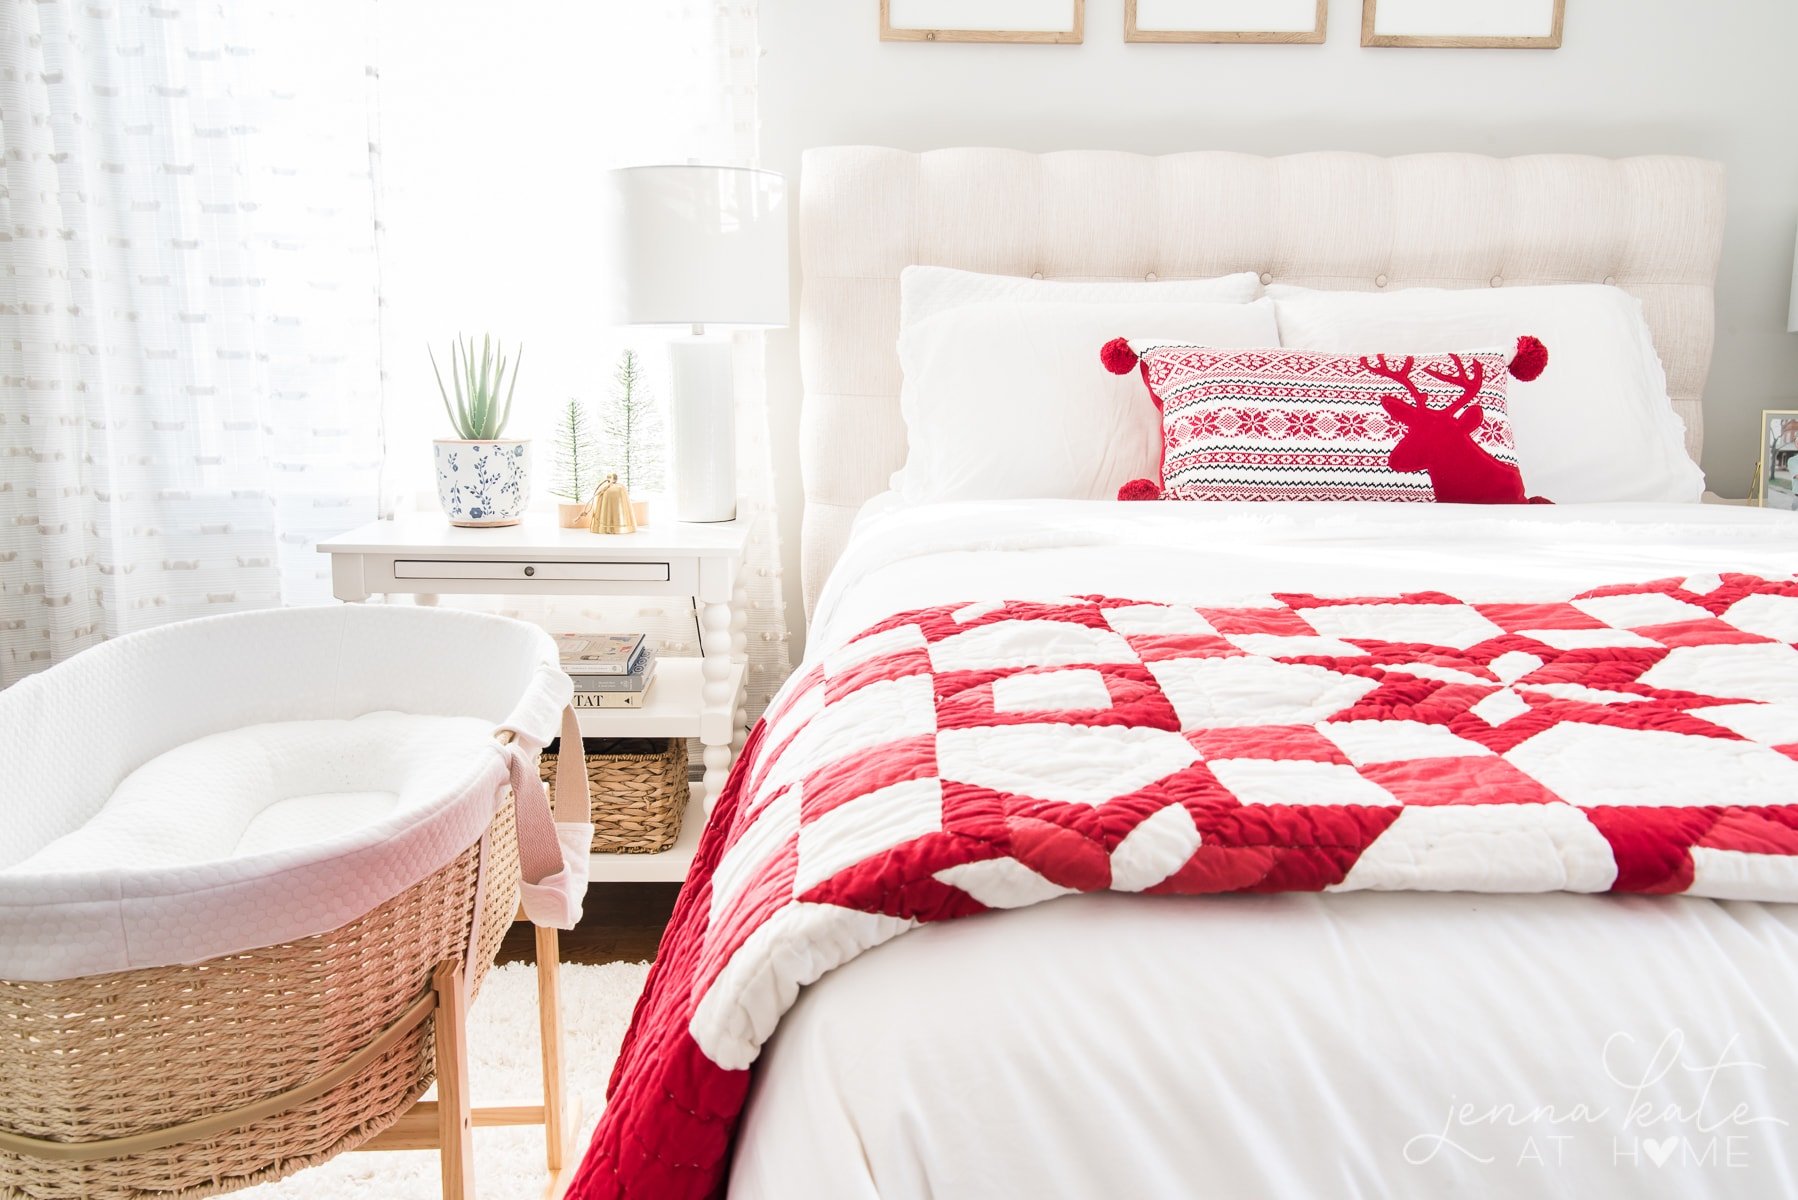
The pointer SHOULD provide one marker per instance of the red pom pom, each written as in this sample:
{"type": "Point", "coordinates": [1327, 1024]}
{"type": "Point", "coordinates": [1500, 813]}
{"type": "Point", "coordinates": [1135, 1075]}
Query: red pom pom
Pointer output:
{"type": "Point", "coordinates": [1140, 489]}
{"type": "Point", "coordinates": [1530, 360]}
{"type": "Point", "coordinates": [1118, 357]}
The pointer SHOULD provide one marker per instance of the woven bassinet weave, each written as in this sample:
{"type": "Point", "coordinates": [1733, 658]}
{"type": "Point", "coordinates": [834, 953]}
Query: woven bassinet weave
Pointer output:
{"type": "Point", "coordinates": [639, 791]}
{"type": "Point", "coordinates": [135, 1051]}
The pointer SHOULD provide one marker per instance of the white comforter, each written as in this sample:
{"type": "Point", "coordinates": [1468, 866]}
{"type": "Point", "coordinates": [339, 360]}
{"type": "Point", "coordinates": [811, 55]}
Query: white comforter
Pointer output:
{"type": "Point", "coordinates": [1296, 1045]}
{"type": "Point", "coordinates": [1223, 553]}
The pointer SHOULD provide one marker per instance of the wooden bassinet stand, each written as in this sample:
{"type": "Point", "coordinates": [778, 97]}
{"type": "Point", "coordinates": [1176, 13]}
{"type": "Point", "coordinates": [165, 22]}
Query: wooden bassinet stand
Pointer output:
{"type": "Point", "coordinates": [448, 1122]}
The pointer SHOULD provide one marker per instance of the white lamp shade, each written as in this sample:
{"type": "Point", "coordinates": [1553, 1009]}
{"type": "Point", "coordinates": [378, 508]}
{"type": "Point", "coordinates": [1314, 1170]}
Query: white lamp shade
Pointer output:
{"type": "Point", "coordinates": [697, 245]}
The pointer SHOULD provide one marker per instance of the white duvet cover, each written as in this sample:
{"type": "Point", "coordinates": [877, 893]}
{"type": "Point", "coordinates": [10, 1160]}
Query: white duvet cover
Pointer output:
{"type": "Point", "coordinates": [1295, 1045]}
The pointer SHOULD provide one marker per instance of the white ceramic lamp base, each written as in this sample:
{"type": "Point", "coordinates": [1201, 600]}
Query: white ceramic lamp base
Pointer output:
{"type": "Point", "coordinates": [705, 430]}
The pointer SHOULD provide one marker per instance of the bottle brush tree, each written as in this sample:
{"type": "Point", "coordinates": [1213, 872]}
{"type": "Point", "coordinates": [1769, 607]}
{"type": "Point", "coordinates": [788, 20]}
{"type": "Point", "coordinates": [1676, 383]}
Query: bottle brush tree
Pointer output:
{"type": "Point", "coordinates": [635, 437]}
{"type": "Point", "coordinates": [577, 455]}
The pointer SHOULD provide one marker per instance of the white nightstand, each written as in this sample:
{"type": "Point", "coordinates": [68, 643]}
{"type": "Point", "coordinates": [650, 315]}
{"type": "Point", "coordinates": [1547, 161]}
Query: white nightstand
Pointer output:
{"type": "Point", "coordinates": [423, 555]}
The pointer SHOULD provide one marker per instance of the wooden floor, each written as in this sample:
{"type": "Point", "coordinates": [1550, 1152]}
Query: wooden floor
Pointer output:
{"type": "Point", "coordinates": [621, 922]}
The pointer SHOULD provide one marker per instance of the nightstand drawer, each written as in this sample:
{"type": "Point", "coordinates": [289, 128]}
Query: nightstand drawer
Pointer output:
{"type": "Point", "coordinates": [596, 572]}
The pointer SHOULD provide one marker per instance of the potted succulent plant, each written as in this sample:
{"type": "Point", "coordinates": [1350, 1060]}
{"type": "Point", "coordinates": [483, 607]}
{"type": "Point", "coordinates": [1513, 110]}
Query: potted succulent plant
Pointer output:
{"type": "Point", "coordinates": [482, 478]}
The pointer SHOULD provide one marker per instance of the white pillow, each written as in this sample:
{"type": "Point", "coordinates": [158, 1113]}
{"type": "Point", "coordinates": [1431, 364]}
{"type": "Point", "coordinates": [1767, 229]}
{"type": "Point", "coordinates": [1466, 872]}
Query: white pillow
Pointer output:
{"type": "Point", "coordinates": [1007, 400]}
{"type": "Point", "coordinates": [926, 291]}
{"type": "Point", "coordinates": [1596, 426]}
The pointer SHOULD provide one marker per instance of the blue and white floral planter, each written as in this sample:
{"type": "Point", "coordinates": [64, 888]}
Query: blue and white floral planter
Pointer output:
{"type": "Point", "coordinates": [483, 482]}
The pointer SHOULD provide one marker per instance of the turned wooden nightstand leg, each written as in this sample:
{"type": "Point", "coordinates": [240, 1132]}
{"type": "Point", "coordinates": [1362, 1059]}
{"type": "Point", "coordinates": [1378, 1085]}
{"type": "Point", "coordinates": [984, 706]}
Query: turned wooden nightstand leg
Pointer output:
{"type": "Point", "coordinates": [715, 642]}
{"type": "Point", "coordinates": [739, 652]}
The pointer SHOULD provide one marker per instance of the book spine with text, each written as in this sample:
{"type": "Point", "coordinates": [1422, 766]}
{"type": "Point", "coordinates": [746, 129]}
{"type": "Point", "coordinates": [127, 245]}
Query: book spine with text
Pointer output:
{"type": "Point", "coordinates": [631, 666]}
{"type": "Point", "coordinates": [636, 681]}
{"type": "Point", "coordinates": [610, 699]}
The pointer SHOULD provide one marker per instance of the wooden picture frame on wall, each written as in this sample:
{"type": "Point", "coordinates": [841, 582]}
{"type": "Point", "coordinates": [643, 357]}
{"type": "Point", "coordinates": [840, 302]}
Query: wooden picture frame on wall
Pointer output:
{"type": "Point", "coordinates": [1045, 22]}
{"type": "Point", "coordinates": [1287, 22]}
{"type": "Point", "coordinates": [1463, 24]}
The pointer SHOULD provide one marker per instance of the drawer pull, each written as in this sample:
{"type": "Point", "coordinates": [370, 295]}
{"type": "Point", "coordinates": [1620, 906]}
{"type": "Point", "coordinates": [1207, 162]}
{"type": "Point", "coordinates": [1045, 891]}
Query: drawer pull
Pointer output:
{"type": "Point", "coordinates": [530, 570]}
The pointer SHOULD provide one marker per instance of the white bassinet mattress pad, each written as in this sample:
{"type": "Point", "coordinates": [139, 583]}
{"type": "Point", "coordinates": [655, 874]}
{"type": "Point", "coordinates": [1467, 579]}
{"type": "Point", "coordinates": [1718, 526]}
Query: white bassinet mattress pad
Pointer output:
{"type": "Point", "coordinates": [168, 806]}
{"type": "Point", "coordinates": [287, 787]}
{"type": "Point", "coordinates": [93, 901]}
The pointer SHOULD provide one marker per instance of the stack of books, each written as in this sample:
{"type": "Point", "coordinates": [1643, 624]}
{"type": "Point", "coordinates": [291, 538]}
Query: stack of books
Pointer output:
{"type": "Point", "coordinates": [610, 671]}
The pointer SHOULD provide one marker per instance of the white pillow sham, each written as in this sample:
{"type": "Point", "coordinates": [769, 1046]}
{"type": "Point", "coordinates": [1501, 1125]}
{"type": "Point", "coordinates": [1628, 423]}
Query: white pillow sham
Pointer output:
{"type": "Point", "coordinates": [1596, 426]}
{"type": "Point", "coordinates": [927, 291]}
{"type": "Point", "coordinates": [1008, 400]}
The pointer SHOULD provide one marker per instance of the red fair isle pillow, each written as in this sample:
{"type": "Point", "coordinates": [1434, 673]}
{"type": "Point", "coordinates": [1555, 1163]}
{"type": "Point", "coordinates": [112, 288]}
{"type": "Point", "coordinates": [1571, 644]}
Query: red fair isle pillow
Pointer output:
{"type": "Point", "coordinates": [1300, 425]}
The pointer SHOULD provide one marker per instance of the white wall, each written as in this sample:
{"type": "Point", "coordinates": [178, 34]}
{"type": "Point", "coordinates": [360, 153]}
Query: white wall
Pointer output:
{"type": "Point", "coordinates": [1632, 77]}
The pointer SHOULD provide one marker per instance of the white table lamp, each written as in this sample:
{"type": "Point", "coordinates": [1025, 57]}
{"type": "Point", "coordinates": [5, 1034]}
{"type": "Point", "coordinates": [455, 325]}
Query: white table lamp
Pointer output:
{"type": "Point", "coordinates": [704, 247]}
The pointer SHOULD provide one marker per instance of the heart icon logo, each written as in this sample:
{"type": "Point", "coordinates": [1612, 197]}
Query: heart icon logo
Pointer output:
{"type": "Point", "coordinates": [1659, 1152]}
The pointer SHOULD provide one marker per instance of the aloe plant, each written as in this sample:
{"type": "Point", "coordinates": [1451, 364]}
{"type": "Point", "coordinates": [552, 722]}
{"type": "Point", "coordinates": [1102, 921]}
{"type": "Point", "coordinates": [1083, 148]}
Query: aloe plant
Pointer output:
{"type": "Point", "coordinates": [477, 414]}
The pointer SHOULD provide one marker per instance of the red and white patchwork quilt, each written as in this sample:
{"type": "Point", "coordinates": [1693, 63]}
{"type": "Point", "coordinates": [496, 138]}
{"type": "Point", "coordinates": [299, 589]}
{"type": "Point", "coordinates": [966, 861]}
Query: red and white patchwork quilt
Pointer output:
{"type": "Point", "coordinates": [1633, 738]}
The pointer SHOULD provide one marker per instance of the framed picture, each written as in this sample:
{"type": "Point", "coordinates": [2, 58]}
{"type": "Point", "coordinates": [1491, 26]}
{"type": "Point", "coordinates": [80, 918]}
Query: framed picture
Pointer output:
{"type": "Point", "coordinates": [1291, 21]}
{"type": "Point", "coordinates": [1504, 24]}
{"type": "Point", "coordinates": [1052, 21]}
{"type": "Point", "coordinates": [1774, 486]}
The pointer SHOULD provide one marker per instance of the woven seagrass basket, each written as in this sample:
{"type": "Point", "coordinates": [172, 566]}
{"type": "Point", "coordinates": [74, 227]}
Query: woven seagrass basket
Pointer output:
{"type": "Point", "coordinates": [639, 790]}
{"type": "Point", "coordinates": [138, 1052]}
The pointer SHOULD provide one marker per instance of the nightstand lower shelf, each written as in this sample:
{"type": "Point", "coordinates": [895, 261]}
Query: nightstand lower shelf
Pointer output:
{"type": "Point", "coordinates": [675, 708]}
{"type": "Point", "coordinates": [670, 866]}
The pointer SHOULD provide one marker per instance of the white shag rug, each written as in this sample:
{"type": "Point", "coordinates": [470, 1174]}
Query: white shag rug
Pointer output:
{"type": "Point", "coordinates": [503, 1049]}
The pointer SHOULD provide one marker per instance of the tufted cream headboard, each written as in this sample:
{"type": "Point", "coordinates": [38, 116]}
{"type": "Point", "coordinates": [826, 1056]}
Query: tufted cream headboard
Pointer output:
{"type": "Point", "coordinates": [1653, 226]}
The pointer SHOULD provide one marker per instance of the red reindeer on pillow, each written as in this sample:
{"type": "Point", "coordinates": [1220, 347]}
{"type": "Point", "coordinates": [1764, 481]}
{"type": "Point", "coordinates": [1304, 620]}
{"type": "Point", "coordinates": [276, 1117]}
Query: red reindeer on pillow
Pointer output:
{"type": "Point", "coordinates": [1441, 440]}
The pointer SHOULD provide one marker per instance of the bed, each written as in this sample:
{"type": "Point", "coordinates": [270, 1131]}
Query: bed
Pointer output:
{"type": "Point", "coordinates": [1284, 1045]}
{"type": "Point", "coordinates": [1419, 1009]}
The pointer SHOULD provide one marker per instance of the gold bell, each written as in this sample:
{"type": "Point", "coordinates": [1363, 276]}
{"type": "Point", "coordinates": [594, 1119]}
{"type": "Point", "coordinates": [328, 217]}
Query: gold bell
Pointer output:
{"type": "Point", "coordinates": [611, 509]}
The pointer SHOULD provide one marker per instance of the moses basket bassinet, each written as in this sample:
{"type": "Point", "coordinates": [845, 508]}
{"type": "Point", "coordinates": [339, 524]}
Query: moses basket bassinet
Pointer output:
{"type": "Point", "coordinates": [253, 868]}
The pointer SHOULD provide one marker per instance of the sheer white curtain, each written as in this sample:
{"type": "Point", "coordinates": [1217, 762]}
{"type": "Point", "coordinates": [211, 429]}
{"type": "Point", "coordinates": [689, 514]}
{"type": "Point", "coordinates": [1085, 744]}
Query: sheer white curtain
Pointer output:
{"type": "Point", "coordinates": [236, 226]}
{"type": "Point", "coordinates": [190, 386]}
